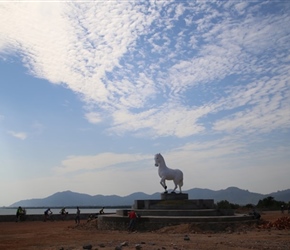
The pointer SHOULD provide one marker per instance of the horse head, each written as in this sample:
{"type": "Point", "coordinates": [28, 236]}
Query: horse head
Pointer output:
{"type": "Point", "coordinates": [157, 159]}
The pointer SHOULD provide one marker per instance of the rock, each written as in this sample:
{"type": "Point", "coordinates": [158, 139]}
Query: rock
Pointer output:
{"type": "Point", "coordinates": [138, 246]}
{"type": "Point", "coordinates": [186, 237]}
{"type": "Point", "coordinates": [125, 243]}
{"type": "Point", "coordinates": [118, 248]}
{"type": "Point", "coordinates": [102, 245]}
{"type": "Point", "coordinates": [89, 246]}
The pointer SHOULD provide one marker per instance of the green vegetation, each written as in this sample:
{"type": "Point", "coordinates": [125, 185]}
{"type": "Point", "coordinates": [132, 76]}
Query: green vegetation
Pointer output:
{"type": "Point", "coordinates": [268, 203]}
{"type": "Point", "coordinates": [271, 204]}
{"type": "Point", "coordinates": [224, 204]}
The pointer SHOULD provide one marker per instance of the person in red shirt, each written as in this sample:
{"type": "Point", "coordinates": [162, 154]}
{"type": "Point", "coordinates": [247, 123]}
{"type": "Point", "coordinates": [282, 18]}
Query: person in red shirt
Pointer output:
{"type": "Point", "coordinates": [132, 216]}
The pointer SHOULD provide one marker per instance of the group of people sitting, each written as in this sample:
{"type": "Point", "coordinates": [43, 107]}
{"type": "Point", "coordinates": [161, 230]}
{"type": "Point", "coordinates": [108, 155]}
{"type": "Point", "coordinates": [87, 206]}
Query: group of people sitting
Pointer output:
{"type": "Point", "coordinates": [95, 216]}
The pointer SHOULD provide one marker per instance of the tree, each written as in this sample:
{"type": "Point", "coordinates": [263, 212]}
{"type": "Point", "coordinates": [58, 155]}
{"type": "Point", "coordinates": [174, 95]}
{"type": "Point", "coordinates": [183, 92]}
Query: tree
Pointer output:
{"type": "Point", "coordinates": [224, 204]}
{"type": "Point", "coordinates": [270, 203]}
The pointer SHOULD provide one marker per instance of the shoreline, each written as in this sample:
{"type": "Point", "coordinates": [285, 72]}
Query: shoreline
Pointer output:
{"type": "Point", "coordinates": [54, 217]}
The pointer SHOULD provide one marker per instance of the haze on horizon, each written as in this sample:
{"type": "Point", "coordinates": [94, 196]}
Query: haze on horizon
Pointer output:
{"type": "Point", "coordinates": [91, 91]}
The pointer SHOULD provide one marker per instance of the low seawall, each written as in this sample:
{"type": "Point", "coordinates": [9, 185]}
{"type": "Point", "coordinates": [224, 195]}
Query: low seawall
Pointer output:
{"type": "Point", "coordinates": [40, 217]}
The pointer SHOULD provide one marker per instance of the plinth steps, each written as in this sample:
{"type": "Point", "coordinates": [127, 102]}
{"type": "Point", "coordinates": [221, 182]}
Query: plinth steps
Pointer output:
{"type": "Point", "coordinates": [174, 209]}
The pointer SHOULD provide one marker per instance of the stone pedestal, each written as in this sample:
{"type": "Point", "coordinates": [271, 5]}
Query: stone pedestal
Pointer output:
{"type": "Point", "coordinates": [173, 204]}
{"type": "Point", "coordinates": [173, 209]}
{"type": "Point", "coordinates": [174, 196]}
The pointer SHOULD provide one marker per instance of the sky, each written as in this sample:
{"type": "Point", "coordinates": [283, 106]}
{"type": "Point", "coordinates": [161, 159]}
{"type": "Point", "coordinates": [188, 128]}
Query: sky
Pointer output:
{"type": "Point", "coordinates": [90, 91]}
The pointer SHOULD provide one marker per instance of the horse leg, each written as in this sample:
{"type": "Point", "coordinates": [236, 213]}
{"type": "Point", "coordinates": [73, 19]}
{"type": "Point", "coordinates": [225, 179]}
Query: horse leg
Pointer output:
{"type": "Point", "coordinates": [173, 191]}
{"type": "Point", "coordinates": [175, 183]}
{"type": "Point", "coordinates": [163, 184]}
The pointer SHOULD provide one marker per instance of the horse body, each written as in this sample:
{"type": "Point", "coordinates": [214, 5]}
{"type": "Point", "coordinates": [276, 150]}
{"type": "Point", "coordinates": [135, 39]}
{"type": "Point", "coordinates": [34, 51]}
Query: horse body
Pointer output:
{"type": "Point", "coordinates": [166, 173]}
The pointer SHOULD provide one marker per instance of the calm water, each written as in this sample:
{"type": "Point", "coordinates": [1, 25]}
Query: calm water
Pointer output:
{"type": "Point", "coordinates": [9, 211]}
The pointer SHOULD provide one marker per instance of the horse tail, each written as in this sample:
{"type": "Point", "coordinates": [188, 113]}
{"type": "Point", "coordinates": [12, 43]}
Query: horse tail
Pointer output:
{"type": "Point", "coordinates": [181, 183]}
{"type": "Point", "coordinates": [181, 179]}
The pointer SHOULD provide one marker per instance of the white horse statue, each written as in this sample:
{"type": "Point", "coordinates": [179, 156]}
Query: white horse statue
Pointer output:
{"type": "Point", "coordinates": [166, 173]}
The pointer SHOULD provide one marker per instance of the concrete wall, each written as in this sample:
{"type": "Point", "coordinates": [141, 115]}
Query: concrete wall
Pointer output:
{"type": "Point", "coordinates": [40, 217]}
{"type": "Point", "coordinates": [174, 204]}
{"type": "Point", "coordinates": [150, 223]}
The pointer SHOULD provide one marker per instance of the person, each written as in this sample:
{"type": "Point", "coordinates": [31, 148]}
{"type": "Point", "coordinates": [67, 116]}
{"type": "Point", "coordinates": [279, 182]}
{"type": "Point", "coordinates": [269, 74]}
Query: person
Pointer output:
{"type": "Point", "coordinates": [19, 213]}
{"type": "Point", "coordinates": [63, 213]}
{"type": "Point", "coordinates": [77, 219]}
{"type": "Point", "coordinates": [102, 211]}
{"type": "Point", "coordinates": [256, 215]}
{"type": "Point", "coordinates": [47, 214]}
{"type": "Point", "coordinates": [132, 216]}
{"type": "Point", "coordinates": [282, 209]}
{"type": "Point", "coordinates": [23, 213]}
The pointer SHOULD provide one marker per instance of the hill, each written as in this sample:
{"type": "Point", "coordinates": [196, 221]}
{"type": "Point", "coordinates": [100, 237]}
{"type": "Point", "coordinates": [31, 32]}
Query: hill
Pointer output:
{"type": "Point", "coordinates": [69, 198]}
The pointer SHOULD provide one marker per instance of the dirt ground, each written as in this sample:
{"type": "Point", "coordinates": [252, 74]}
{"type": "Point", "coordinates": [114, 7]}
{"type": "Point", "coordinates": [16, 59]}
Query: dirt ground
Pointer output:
{"type": "Point", "coordinates": [64, 235]}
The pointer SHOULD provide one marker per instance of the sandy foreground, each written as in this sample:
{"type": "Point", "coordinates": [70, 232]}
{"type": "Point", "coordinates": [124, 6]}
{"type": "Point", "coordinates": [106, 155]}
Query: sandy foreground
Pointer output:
{"type": "Point", "coordinates": [66, 236]}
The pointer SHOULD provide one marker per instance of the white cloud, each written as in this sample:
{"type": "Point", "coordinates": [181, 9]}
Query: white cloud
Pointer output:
{"type": "Point", "coordinates": [240, 7]}
{"type": "Point", "coordinates": [100, 56]}
{"type": "Point", "coordinates": [18, 135]}
{"type": "Point", "coordinates": [268, 107]}
{"type": "Point", "coordinates": [216, 165]}
{"type": "Point", "coordinates": [86, 42]}
{"type": "Point", "coordinates": [172, 120]}
{"type": "Point", "coordinates": [101, 162]}
{"type": "Point", "coordinates": [93, 117]}
{"type": "Point", "coordinates": [184, 71]}
{"type": "Point", "coordinates": [126, 94]}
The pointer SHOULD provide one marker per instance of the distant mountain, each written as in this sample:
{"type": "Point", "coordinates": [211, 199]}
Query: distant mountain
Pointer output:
{"type": "Point", "coordinates": [232, 194]}
{"type": "Point", "coordinates": [69, 198]}
{"type": "Point", "coordinates": [281, 195]}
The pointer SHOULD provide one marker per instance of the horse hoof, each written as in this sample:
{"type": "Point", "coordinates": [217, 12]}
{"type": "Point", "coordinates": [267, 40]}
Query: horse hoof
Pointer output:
{"type": "Point", "coordinates": [173, 192]}
{"type": "Point", "coordinates": [165, 187]}
{"type": "Point", "coordinates": [165, 192]}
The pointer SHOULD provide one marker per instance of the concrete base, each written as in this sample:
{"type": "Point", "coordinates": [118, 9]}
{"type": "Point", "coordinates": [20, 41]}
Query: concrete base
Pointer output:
{"type": "Point", "coordinates": [174, 204]}
{"type": "Point", "coordinates": [178, 213]}
{"type": "Point", "coordinates": [174, 196]}
{"type": "Point", "coordinates": [155, 214]}
{"type": "Point", "coordinates": [149, 223]}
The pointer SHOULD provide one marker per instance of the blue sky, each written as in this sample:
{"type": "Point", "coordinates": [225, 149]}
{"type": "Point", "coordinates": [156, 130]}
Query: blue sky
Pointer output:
{"type": "Point", "coordinates": [90, 91]}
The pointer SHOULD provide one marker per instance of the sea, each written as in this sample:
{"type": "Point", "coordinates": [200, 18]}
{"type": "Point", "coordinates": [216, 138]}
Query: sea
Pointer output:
{"type": "Point", "coordinates": [12, 211]}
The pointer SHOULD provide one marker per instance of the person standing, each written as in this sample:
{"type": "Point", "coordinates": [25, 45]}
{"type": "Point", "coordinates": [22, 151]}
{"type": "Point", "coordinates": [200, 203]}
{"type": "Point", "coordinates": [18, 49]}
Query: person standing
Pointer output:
{"type": "Point", "coordinates": [282, 209]}
{"type": "Point", "coordinates": [78, 214]}
{"type": "Point", "coordinates": [132, 216]}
